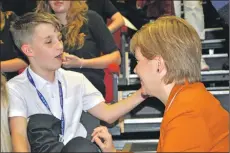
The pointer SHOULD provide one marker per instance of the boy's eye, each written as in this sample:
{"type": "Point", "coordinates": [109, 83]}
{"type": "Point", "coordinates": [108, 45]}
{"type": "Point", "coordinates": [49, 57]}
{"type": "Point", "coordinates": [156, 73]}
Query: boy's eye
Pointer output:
{"type": "Point", "coordinates": [48, 42]}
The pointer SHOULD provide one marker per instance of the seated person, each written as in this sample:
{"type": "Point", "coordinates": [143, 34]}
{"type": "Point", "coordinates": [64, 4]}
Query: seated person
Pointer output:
{"type": "Point", "coordinates": [45, 88]}
{"type": "Point", "coordinates": [107, 10]}
{"type": "Point", "coordinates": [11, 58]}
{"type": "Point", "coordinates": [156, 8]}
{"type": "Point", "coordinates": [194, 120]}
{"type": "Point", "coordinates": [6, 145]}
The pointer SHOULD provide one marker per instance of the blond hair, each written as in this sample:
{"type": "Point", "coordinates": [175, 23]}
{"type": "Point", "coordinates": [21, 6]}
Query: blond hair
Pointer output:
{"type": "Point", "coordinates": [76, 18]}
{"type": "Point", "coordinates": [23, 28]}
{"type": "Point", "coordinates": [6, 145]}
{"type": "Point", "coordinates": [2, 21]}
{"type": "Point", "coordinates": [177, 42]}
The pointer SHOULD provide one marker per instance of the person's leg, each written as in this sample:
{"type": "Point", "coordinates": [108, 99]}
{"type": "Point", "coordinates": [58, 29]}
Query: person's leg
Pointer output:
{"type": "Point", "coordinates": [194, 15]}
{"type": "Point", "coordinates": [80, 144]}
{"type": "Point", "coordinates": [193, 12]}
{"type": "Point", "coordinates": [177, 7]}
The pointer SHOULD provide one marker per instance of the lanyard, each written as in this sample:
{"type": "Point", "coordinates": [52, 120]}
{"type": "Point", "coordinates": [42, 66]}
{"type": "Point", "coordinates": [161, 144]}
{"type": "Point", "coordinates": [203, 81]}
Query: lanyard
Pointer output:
{"type": "Point", "coordinates": [42, 98]}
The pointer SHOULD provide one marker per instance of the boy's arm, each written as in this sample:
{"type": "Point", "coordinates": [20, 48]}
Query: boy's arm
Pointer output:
{"type": "Point", "coordinates": [18, 128]}
{"type": "Point", "coordinates": [94, 103]}
{"type": "Point", "coordinates": [110, 113]}
{"type": "Point", "coordinates": [18, 117]}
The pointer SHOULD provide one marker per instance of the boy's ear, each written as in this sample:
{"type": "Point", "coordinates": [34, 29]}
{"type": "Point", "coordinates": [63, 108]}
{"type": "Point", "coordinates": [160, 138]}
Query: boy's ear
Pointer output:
{"type": "Point", "coordinates": [26, 49]}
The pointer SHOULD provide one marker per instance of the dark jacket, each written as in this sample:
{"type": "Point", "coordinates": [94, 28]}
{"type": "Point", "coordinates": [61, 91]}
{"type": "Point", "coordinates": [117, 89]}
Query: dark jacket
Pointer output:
{"type": "Point", "coordinates": [157, 8]}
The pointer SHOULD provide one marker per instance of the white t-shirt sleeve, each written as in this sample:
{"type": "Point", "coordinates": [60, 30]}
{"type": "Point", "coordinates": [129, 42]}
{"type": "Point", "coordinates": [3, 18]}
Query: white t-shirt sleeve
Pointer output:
{"type": "Point", "coordinates": [17, 104]}
{"type": "Point", "coordinates": [91, 96]}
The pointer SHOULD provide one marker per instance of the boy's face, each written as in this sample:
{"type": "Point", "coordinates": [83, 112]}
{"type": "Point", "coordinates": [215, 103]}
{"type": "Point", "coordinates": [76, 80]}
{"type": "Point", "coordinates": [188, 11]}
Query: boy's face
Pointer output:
{"type": "Point", "coordinates": [46, 47]}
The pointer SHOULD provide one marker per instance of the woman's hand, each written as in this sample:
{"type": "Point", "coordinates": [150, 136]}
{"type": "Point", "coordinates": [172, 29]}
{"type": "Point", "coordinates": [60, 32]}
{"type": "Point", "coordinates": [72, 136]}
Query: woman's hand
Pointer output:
{"type": "Point", "coordinates": [103, 139]}
{"type": "Point", "coordinates": [72, 61]}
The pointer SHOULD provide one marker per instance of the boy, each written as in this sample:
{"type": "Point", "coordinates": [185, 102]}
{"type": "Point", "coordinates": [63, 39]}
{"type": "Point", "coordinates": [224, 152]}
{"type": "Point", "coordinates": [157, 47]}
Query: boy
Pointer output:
{"type": "Point", "coordinates": [45, 88]}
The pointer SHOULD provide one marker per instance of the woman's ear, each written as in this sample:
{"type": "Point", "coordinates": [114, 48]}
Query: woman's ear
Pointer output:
{"type": "Point", "coordinates": [160, 64]}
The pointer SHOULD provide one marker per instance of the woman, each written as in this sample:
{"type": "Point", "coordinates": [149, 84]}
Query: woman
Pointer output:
{"type": "Point", "coordinates": [5, 134]}
{"type": "Point", "coordinates": [11, 58]}
{"type": "Point", "coordinates": [86, 37]}
{"type": "Point", "coordinates": [168, 52]}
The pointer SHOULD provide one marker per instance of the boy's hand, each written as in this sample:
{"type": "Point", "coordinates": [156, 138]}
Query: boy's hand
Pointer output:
{"type": "Point", "coordinates": [103, 139]}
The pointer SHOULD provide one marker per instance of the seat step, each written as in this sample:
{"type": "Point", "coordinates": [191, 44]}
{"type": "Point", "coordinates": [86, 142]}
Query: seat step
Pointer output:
{"type": "Point", "coordinates": [215, 56]}
{"type": "Point", "coordinates": [148, 124]}
{"type": "Point", "coordinates": [213, 43]}
{"type": "Point", "coordinates": [216, 61]}
{"type": "Point", "coordinates": [215, 75]}
{"type": "Point", "coordinates": [213, 29]}
{"type": "Point", "coordinates": [212, 75]}
{"type": "Point", "coordinates": [125, 145]}
{"type": "Point", "coordinates": [140, 147]}
{"type": "Point", "coordinates": [215, 72]}
{"type": "Point", "coordinates": [217, 88]}
{"type": "Point", "coordinates": [143, 120]}
{"type": "Point", "coordinates": [214, 33]}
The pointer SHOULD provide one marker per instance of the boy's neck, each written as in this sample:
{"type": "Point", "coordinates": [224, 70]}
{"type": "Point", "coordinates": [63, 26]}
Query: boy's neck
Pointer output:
{"type": "Point", "coordinates": [45, 74]}
{"type": "Point", "coordinates": [62, 18]}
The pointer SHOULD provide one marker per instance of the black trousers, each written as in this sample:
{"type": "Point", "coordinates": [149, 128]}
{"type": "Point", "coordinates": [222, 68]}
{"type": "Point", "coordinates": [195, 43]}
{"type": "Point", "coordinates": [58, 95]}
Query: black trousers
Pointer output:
{"type": "Point", "coordinates": [43, 134]}
{"type": "Point", "coordinates": [80, 144]}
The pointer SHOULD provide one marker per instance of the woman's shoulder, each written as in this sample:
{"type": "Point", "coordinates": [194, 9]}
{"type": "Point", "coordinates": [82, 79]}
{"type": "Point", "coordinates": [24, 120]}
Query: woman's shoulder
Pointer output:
{"type": "Point", "coordinates": [93, 15]}
{"type": "Point", "coordinates": [94, 19]}
{"type": "Point", "coordinates": [193, 98]}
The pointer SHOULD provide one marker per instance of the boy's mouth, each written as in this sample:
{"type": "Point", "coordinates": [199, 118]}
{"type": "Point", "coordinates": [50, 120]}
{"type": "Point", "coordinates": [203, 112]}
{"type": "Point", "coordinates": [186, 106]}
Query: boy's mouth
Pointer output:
{"type": "Point", "coordinates": [59, 56]}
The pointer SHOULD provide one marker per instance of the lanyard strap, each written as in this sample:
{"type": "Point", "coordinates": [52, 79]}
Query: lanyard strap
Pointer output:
{"type": "Point", "coordinates": [42, 98]}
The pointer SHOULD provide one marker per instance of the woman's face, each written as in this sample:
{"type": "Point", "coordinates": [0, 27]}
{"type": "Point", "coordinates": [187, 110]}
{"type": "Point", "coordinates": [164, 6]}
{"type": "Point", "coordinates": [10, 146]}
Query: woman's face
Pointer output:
{"type": "Point", "coordinates": [147, 71]}
{"type": "Point", "coordinates": [59, 6]}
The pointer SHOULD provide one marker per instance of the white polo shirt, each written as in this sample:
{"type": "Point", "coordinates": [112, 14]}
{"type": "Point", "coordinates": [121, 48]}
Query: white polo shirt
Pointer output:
{"type": "Point", "coordinates": [78, 94]}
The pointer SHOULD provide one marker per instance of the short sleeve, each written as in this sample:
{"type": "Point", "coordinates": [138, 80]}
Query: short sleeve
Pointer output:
{"type": "Point", "coordinates": [91, 96]}
{"type": "Point", "coordinates": [109, 9]}
{"type": "Point", "coordinates": [18, 106]}
{"type": "Point", "coordinates": [101, 33]}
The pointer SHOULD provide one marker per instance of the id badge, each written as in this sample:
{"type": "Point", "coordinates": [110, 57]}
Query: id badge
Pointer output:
{"type": "Point", "coordinates": [61, 138]}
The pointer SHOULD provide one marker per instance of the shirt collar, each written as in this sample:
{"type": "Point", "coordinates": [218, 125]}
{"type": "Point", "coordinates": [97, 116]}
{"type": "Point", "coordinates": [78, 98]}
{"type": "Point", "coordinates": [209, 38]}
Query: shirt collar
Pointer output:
{"type": "Point", "coordinates": [41, 82]}
{"type": "Point", "coordinates": [174, 91]}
